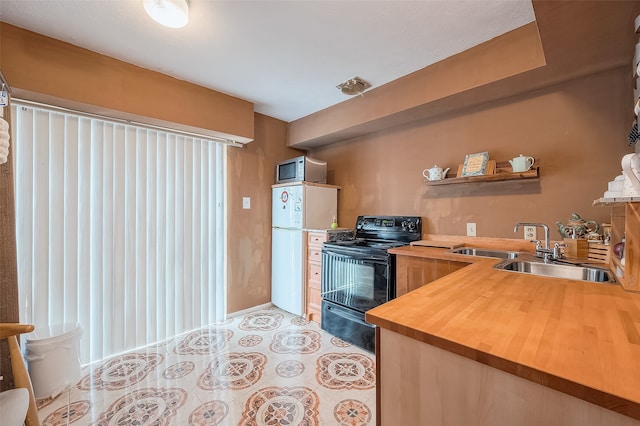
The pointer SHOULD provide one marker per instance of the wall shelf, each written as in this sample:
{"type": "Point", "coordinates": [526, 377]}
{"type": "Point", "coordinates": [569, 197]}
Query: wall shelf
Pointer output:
{"type": "Point", "coordinates": [615, 201]}
{"type": "Point", "coordinates": [533, 174]}
{"type": "Point", "coordinates": [625, 222]}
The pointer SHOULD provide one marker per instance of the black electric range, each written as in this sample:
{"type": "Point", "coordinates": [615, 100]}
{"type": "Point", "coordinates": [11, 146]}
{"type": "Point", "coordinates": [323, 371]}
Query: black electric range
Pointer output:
{"type": "Point", "coordinates": [359, 274]}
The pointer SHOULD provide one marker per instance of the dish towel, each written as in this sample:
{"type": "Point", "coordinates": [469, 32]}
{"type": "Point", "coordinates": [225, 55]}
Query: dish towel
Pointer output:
{"type": "Point", "coordinates": [634, 135]}
{"type": "Point", "coordinates": [4, 140]}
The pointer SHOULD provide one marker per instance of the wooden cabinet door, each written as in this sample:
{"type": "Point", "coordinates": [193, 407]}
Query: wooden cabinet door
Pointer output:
{"type": "Point", "coordinates": [632, 247]}
{"type": "Point", "coordinates": [454, 266]}
{"type": "Point", "coordinates": [414, 272]}
{"type": "Point", "coordinates": [314, 275]}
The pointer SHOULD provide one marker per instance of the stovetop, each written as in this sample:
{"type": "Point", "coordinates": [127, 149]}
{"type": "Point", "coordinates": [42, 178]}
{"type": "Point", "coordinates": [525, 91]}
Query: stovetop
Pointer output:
{"type": "Point", "coordinates": [380, 233]}
{"type": "Point", "coordinates": [374, 244]}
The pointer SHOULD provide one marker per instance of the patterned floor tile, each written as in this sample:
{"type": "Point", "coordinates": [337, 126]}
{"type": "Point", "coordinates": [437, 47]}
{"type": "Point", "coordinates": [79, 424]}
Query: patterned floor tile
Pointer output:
{"type": "Point", "coordinates": [300, 321]}
{"type": "Point", "coordinates": [289, 368]}
{"type": "Point", "coordinates": [250, 340]}
{"type": "Point", "coordinates": [144, 407]}
{"type": "Point", "coordinates": [210, 413]}
{"type": "Point", "coordinates": [281, 406]}
{"type": "Point", "coordinates": [67, 414]}
{"type": "Point", "coordinates": [184, 413]}
{"type": "Point", "coordinates": [262, 321]}
{"type": "Point", "coordinates": [266, 367]}
{"type": "Point", "coordinates": [121, 372]}
{"type": "Point", "coordinates": [45, 402]}
{"type": "Point", "coordinates": [179, 370]}
{"type": "Point", "coordinates": [47, 406]}
{"type": "Point", "coordinates": [236, 370]}
{"type": "Point", "coordinates": [346, 371]}
{"type": "Point", "coordinates": [351, 412]}
{"type": "Point", "coordinates": [202, 342]}
{"type": "Point", "coordinates": [289, 341]}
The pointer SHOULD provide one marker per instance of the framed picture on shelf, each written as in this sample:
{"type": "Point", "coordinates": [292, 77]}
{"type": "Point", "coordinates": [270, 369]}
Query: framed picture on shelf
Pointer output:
{"type": "Point", "coordinates": [475, 164]}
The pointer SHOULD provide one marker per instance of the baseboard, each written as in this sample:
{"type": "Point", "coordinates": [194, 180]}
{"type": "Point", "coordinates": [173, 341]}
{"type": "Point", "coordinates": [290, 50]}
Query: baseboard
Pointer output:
{"type": "Point", "coordinates": [249, 310]}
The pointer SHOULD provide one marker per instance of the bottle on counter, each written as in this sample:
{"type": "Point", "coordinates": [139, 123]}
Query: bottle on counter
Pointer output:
{"type": "Point", "coordinates": [334, 224]}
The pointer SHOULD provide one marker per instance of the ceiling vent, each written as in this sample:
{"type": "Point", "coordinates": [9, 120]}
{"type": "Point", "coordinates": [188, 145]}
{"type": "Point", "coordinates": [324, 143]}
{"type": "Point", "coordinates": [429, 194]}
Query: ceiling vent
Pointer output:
{"type": "Point", "coordinates": [354, 86]}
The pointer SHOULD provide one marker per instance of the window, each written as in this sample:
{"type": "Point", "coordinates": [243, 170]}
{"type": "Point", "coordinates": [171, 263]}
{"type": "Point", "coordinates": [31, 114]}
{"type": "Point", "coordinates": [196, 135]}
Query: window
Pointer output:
{"type": "Point", "coordinates": [119, 228]}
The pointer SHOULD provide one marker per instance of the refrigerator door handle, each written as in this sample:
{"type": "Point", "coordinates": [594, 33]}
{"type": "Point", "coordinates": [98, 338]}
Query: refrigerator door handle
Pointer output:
{"type": "Point", "coordinates": [288, 228]}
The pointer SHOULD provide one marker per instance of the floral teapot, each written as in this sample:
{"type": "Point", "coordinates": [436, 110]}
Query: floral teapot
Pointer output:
{"type": "Point", "coordinates": [435, 173]}
{"type": "Point", "coordinates": [577, 227]}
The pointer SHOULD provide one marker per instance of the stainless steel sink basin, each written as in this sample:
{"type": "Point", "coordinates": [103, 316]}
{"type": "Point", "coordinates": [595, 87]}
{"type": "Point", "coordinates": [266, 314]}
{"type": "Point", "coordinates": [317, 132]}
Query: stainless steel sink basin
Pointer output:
{"type": "Point", "coordinates": [572, 272]}
{"type": "Point", "coordinates": [472, 251]}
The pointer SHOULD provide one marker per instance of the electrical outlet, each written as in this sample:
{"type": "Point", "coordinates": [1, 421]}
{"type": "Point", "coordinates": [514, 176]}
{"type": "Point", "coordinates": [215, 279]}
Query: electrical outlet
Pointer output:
{"type": "Point", "coordinates": [530, 233]}
{"type": "Point", "coordinates": [471, 229]}
{"type": "Point", "coordinates": [246, 202]}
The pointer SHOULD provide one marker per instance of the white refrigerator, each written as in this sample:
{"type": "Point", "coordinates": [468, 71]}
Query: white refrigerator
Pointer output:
{"type": "Point", "coordinates": [296, 208]}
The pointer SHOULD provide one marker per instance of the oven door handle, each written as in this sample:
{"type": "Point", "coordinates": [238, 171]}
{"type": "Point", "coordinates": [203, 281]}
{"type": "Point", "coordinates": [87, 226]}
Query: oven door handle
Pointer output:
{"type": "Point", "coordinates": [348, 316]}
{"type": "Point", "coordinates": [356, 256]}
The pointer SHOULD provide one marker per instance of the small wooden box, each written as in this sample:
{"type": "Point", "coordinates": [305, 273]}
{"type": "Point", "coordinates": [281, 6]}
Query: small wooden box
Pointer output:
{"type": "Point", "coordinates": [599, 253]}
{"type": "Point", "coordinates": [576, 248]}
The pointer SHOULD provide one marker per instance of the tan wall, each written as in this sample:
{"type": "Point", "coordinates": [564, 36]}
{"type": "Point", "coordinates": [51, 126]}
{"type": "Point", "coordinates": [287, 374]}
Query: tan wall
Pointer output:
{"type": "Point", "coordinates": [251, 172]}
{"type": "Point", "coordinates": [43, 69]}
{"type": "Point", "coordinates": [577, 129]}
{"type": "Point", "coordinates": [576, 39]}
{"type": "Point", "coordinates": [428, 91]}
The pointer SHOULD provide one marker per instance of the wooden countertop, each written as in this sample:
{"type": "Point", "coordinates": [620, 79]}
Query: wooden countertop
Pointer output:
{"type": "Point", "coordinates": [577, 337]}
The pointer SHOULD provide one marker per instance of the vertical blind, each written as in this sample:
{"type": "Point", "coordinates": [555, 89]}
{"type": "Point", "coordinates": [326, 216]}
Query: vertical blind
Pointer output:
{"type": "Point", "coordinates": [119, 228]}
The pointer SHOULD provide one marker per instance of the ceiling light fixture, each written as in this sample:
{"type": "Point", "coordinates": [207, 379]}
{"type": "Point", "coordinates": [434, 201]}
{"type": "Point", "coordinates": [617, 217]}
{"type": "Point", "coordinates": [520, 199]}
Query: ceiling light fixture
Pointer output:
{"type": "Point", "coordinates": [170, 13]}
{"type": "Point", "coordinates": [354, 86]}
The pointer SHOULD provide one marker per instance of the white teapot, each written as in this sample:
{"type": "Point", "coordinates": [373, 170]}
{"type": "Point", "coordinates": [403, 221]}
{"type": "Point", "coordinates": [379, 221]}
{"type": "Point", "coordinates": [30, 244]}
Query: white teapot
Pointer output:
{"type": "Point", "coordinates": [521, 163]}
{"type": "Point", "coordinates": [631, 173]}
{"type": "Point", "coordinates": [435, 173]}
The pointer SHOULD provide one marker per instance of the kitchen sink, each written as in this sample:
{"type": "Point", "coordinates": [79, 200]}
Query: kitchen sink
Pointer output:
{"type": "Point", "coordinates": [472, 251]}
{"type": "Point", "coordinates": [555, 270]}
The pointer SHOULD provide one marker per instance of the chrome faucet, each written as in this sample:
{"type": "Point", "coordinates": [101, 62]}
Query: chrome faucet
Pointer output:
{"type": "Point", "coordinates": [546, 253]}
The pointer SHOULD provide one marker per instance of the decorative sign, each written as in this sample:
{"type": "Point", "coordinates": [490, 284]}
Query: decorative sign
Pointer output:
{"type": "Point", "coordinates": [475, 164]}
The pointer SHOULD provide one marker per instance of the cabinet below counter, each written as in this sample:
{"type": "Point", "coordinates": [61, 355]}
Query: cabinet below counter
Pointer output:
{"type": "Point", "coordinates": [483, 346]}
{"type": "Point", "coordinates": [414, 272]}
{"type": "Point", "coordinates": [314, 275]}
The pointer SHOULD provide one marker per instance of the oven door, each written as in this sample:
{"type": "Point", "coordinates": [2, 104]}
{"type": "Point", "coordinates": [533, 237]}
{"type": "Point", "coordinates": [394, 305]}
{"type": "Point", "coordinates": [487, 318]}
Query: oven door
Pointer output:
{"type": "Point", "coordinates": [348, 325]}
{"type": "Point", "coordinates": [356, 278]}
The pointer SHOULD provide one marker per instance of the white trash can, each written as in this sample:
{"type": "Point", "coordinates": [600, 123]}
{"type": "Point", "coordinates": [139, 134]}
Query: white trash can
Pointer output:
{"type": "Point", "coordinates": [53, 358]}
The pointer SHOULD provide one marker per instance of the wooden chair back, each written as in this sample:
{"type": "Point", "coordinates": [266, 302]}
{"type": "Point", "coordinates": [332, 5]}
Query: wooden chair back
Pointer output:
{"type": "Point", "coordinates": [21, 379]}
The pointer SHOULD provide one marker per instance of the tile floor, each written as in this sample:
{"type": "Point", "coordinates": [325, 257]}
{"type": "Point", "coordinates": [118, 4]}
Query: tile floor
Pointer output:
{"type": "Point", "coordinates": [266, 367]}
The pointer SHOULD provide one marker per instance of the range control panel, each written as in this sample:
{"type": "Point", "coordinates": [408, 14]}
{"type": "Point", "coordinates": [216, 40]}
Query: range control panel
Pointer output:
{"type": "Point", "coordinates": [398, 228]}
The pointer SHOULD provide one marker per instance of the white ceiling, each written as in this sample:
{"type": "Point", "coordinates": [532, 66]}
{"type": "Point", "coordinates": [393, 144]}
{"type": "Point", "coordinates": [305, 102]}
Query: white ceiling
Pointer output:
{"type": "Point", "coordinates": [284, 56]}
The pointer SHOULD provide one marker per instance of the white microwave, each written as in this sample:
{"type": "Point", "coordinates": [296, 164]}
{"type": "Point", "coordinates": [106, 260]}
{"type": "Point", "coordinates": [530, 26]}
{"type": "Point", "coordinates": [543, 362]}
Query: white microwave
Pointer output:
{"type": "Point", "coordinates": [301, 169]}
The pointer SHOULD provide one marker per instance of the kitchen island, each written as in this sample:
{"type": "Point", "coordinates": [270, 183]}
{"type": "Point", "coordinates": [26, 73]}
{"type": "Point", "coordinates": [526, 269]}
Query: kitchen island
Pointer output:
{"type": "Point", "coordinates": [482, 346]}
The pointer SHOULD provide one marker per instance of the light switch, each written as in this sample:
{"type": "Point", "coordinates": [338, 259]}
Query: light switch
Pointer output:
{"type": "Point", "coordinates": [246, 202]}
{"type": "Point", "coordinates": [471, 229]}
